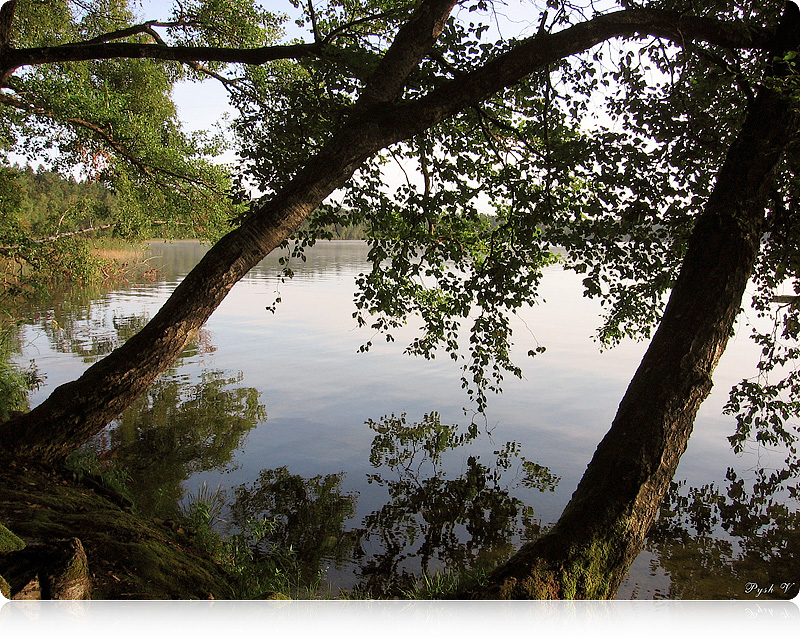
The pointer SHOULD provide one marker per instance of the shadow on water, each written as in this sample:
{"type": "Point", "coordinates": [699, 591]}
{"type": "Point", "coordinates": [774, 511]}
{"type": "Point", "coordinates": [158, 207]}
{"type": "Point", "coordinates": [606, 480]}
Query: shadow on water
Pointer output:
{"type": "Point", "coordinates": [179, 428]}
{"type": "Point", "coordinates": [435, 520]}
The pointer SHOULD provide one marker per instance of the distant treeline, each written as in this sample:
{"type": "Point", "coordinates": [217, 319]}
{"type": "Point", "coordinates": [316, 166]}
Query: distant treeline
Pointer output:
{"type": "Point", "coordinates": [43, 202]}
{"type": "Point", "coordinates": [46, 203]}
{"type": "Point", "coordinates": [338, 231]}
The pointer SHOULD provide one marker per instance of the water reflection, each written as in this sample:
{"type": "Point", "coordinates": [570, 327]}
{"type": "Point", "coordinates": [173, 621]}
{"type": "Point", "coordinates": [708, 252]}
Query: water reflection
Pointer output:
{"type": "Point", "coordinates": [430, 522]}
{"type": "Point", "coordinates": [177, 429]}
{"type": "Point", "coordinates": [440, 521]}
{"type": "Point", "coordinates": [309, 516]}
{"type": "Point", "coordinates": [741, 540]}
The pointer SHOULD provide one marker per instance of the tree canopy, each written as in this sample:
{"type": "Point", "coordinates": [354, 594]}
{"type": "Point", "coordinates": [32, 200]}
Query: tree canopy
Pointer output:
{"type": "Point", "coordinates": [623, 139]}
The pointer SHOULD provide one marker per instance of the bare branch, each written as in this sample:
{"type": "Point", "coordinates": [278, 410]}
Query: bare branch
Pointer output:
{"type": "Point", "coordinates": [313, 15]}
{"type": "Point", "coordinates": [335, 33]}
{"type": "Point", "coordinates": [57, 236]}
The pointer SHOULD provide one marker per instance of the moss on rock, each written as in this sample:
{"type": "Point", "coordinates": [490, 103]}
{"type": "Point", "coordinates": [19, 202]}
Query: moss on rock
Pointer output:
{"type": "Point", "coordinates": [129, 557]}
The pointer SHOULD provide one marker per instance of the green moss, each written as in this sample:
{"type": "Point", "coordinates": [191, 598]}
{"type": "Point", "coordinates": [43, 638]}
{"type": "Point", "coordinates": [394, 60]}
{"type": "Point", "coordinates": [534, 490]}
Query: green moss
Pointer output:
{"type": "Point", "coordinates": [129, 557]}
{"type": "Point", "coordinates": [558, 568]}
{"type": "Point", "coordinates": [9, 541]}
{"type": "Point", "coordinates": [589, 573]}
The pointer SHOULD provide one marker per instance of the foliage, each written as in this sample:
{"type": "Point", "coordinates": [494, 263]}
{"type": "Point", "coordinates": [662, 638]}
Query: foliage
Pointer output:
{"type": "Point", "coordinates": [253, 573]}
{"type": "Point", "coordinates": [455, 525]}
{"type": "Point", "coordinates": [110, 124]}
{"type": "Point", "coordinates": [14, 381]}
{"type": "Point", "coordinates": [601, 160]}
{"type": "Point", "coordinates": [85, 463]}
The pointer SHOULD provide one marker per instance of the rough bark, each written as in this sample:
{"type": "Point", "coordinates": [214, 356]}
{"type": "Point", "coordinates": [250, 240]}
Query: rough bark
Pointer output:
{"type": "Point", "coordinates": [588, 552]}
{"type": "Point", "coordinates": [54, 571]}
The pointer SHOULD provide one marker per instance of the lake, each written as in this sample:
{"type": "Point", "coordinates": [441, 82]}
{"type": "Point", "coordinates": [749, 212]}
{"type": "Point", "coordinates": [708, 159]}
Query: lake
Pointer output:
{"type": "Point", "coordinates": [368, 461]}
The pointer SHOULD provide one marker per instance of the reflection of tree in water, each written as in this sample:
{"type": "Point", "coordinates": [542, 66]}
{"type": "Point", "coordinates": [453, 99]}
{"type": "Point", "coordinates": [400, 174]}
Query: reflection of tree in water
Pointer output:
{"type": "Point", "coordinates": [78, 319]}
{"type": "Point", "coordinates": [309, 517]}
{"type": "Point", "coordinates": [715, 542]}
{"type": "Point", "coordinates": [91, 335]}
{"type": "Point", "coordinates": [430, 521]}
{"type": "Point", "coordinates": [177, 429]}
{"type": "Point", "coordinates": [433, 522]}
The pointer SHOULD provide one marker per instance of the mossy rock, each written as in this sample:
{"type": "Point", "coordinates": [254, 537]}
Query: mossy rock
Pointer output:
{"type": "Point", "coordinates": [8, 542]}
{"type": "Point", "coordinates": [129, 557]}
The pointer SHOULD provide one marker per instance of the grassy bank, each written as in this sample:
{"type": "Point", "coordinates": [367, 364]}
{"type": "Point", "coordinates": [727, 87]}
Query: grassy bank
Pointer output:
{"type": "Point", "coordinates": [133, 556]}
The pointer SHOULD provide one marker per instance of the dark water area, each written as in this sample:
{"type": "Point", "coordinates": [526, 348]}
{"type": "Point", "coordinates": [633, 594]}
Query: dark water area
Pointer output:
{"type": "Point", "coordinates": [372, 465]}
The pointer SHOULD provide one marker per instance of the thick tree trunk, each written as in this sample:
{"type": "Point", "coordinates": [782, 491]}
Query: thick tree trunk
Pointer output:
{"type": "Point", "coordinates": [588, 552]}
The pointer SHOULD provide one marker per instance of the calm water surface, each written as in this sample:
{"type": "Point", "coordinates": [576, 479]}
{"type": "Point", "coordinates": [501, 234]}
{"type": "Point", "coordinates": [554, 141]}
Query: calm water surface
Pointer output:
{"type": "Point", "coordinates": [367, 460]}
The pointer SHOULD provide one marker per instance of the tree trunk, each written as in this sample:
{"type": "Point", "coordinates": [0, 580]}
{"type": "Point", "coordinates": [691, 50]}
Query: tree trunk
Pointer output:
{"type": "Point", "coordinates": [588, 552]}
{"type": "Point", "coordinates": [76, 411]}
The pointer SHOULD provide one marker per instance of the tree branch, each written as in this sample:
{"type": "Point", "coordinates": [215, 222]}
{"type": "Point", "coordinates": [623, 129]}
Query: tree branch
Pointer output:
{"type": "Point", "coordinates": [416, 37]}
{"type": "Point", "coordinates": [536, 53]}
{"type": "Point", "coordinates": [146, 27]}
{"type": "Point", "coordinates": [333, 34]}
{"type": "Point", "coordinates": [78, 52]}
{"type": "Point", "coordinates": [413, 41]}
{"type": "Point", "coordinates": [144, 167]}
{"type": "Point", "coordinates": [64, 234]}
{"type": "Point", "coordinates": [6, 18]}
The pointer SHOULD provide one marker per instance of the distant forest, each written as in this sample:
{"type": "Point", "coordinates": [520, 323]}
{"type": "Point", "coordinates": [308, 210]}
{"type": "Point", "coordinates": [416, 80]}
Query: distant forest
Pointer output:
{"type": "Point", "coordinates": [46, 203]}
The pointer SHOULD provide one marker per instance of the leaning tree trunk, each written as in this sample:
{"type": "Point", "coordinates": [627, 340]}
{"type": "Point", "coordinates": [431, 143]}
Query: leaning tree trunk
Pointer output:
{"type": "Point", "coordinates": [589, 550]}
{"type": "Point", "coordinates": [76, 411]}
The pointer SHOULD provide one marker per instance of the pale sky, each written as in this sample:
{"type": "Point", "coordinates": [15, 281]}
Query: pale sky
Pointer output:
{"type": "Point", "coordinates": [202, 105]}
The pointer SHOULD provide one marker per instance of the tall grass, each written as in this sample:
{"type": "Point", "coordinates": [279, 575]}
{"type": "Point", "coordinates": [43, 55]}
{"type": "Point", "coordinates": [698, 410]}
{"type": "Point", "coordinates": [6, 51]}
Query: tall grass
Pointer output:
{"type": "Point", "coordinates": [257, 567]}
{"type": "Point", "coordinates": [448, 585]}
